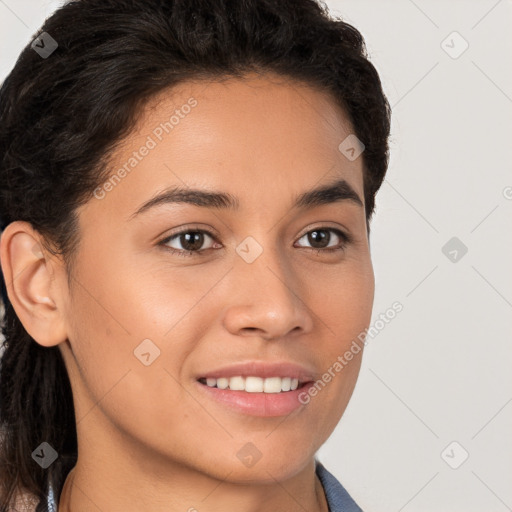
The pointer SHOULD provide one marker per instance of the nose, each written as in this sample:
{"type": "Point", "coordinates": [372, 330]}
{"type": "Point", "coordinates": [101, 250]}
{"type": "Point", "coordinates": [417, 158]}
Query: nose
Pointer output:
{"type": "Point", "coordinates": [267, 298]}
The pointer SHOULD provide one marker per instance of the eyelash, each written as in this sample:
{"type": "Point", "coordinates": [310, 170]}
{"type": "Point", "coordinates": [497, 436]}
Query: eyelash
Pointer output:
{"type": "Point", "coordinates": [346, 240]}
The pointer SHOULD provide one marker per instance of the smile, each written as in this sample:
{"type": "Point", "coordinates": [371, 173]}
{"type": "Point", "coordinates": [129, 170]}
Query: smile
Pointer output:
{"type": "Point", "coordinates": [253, 384]}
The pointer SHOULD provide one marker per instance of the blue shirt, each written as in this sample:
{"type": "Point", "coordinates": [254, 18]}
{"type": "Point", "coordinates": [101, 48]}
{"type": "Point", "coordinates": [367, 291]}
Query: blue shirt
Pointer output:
{"type": "Point", "coordinates": [338, 499]}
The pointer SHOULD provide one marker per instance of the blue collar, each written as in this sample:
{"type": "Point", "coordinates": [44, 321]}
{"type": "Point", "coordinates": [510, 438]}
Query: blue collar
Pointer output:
{"type": "Point", "coordinates": [338, 499]}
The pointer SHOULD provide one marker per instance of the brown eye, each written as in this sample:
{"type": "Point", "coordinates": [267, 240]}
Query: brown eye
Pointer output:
{"type": "Point", "coordinates": [320, 238]}
{"type": "Point", "coordinates": [191, 241]}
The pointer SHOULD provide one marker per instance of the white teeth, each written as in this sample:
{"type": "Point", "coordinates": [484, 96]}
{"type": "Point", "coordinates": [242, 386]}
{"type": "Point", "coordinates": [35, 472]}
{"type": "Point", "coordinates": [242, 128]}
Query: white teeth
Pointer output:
{"type": "Point", "coordinates": [272, 385]}
{"type": "Point", "coordinates": [222, 383]}
{"type": "Point", "coordinates": [236, 383]}
{"type": "Point", "coordinates": [254, 384]}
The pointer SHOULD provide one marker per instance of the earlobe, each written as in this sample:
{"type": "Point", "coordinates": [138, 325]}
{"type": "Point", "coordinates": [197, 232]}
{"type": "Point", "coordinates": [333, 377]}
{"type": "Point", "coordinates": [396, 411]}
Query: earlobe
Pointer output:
{"type": "Point", "coordinates": [32, 286]}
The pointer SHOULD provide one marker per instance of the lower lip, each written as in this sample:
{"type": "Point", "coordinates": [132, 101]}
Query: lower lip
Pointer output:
{"type": "Point", "coordinates": [258, 404]}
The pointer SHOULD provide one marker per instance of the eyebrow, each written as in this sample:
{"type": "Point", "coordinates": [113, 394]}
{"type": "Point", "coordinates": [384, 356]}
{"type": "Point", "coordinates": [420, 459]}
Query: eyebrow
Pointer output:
{"type": "Point", "coordinates": [337, 191]}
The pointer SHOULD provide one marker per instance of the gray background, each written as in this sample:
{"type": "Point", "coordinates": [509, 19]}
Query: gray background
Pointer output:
{"type": "Point", "coordinates": [435, 385]}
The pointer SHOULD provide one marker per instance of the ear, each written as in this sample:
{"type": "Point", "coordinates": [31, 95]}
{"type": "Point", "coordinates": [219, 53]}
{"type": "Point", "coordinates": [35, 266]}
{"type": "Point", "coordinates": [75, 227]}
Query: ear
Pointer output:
{"type": "Point", "coordinates": [32, 285]}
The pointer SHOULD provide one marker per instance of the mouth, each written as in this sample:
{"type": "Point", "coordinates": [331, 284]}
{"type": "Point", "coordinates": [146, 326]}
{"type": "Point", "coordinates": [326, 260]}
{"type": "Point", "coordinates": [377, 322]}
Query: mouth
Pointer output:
{"type": "Point", "coordinates": [255, 384]}
{"type": "Point", "coordinates": [258, 388]}
{"type": "Point", "coordinates": [256, 396]}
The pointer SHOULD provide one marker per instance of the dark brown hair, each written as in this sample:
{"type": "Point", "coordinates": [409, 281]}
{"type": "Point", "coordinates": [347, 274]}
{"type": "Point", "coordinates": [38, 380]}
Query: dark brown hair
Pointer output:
{"type": "Point", "coordinates": [62, 115]}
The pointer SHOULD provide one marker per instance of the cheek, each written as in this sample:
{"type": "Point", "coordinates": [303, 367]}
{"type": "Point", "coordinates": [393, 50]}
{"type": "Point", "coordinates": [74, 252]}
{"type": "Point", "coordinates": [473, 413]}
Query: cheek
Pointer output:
{"type": "Point", "coordinates": [130, 334]}
{"type": "Point", "coordinates": [345, 302]}
{"type": "Point", "coordinates": [128, 371]}
{"type": "Point", "coordinates": [344, 308]}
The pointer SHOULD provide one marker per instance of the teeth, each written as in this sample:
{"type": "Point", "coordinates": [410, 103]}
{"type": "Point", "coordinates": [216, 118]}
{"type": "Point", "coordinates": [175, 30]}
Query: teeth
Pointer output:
{"type": "Point", "coordinates": [254, 384]}
{"type": "Point", "coordinates": [236, 383]}
{"type": "Point", "coordinates": [222, 383]}
{"type": "Point", "coordinates": [272, 385]}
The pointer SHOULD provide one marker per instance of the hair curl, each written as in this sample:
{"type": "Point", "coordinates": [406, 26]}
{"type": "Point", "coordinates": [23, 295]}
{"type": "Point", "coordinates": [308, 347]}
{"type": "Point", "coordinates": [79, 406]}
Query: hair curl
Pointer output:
{"type": "Point", "coordinates": [63, 116]}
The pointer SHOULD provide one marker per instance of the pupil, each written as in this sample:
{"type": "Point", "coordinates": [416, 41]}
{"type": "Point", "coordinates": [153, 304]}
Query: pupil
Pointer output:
{"type": "Point", "coordinates": [314, 237]}
{"type": "Point", "coordinates": [197, 241]}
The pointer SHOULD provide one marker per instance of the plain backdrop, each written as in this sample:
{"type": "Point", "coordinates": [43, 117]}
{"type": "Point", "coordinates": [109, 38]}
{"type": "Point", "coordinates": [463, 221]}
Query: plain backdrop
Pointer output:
{"type": "Point", "coordinates": [428, 427]}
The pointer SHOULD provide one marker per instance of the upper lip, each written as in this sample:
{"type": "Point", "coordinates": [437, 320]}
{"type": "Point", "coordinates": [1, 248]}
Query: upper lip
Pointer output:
{"type": "Point", "coordinates": [262, 369]}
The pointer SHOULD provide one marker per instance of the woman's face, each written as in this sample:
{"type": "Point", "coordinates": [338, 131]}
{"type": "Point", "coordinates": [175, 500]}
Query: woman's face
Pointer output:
{"type": "Point", "coordinates": [145, 323]}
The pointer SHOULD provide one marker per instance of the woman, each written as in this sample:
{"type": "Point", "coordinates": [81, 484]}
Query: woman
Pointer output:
{"type": "Point", "coordinates": [187, 189]}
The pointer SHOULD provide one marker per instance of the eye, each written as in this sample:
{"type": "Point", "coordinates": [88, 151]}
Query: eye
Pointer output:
{"type": "Point", "coordinates": [321, 237]}
{"type": "Point", "coordinates": [190, 240]}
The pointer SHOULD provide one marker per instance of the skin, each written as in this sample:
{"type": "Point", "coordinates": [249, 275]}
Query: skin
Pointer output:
{"type": "Point", "coordinates": [148, 440]}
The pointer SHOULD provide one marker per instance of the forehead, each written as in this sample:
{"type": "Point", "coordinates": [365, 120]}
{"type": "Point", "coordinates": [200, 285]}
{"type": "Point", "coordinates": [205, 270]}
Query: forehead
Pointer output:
{"type": "Point", "coordinates": [250, 109]}
{"type": "Point", "coordinates": [256, 137]}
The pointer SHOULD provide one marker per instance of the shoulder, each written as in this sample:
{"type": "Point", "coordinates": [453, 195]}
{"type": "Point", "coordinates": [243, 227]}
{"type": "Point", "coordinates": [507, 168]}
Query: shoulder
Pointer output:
{"type": "Point", "coordinates": [338, 498]}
